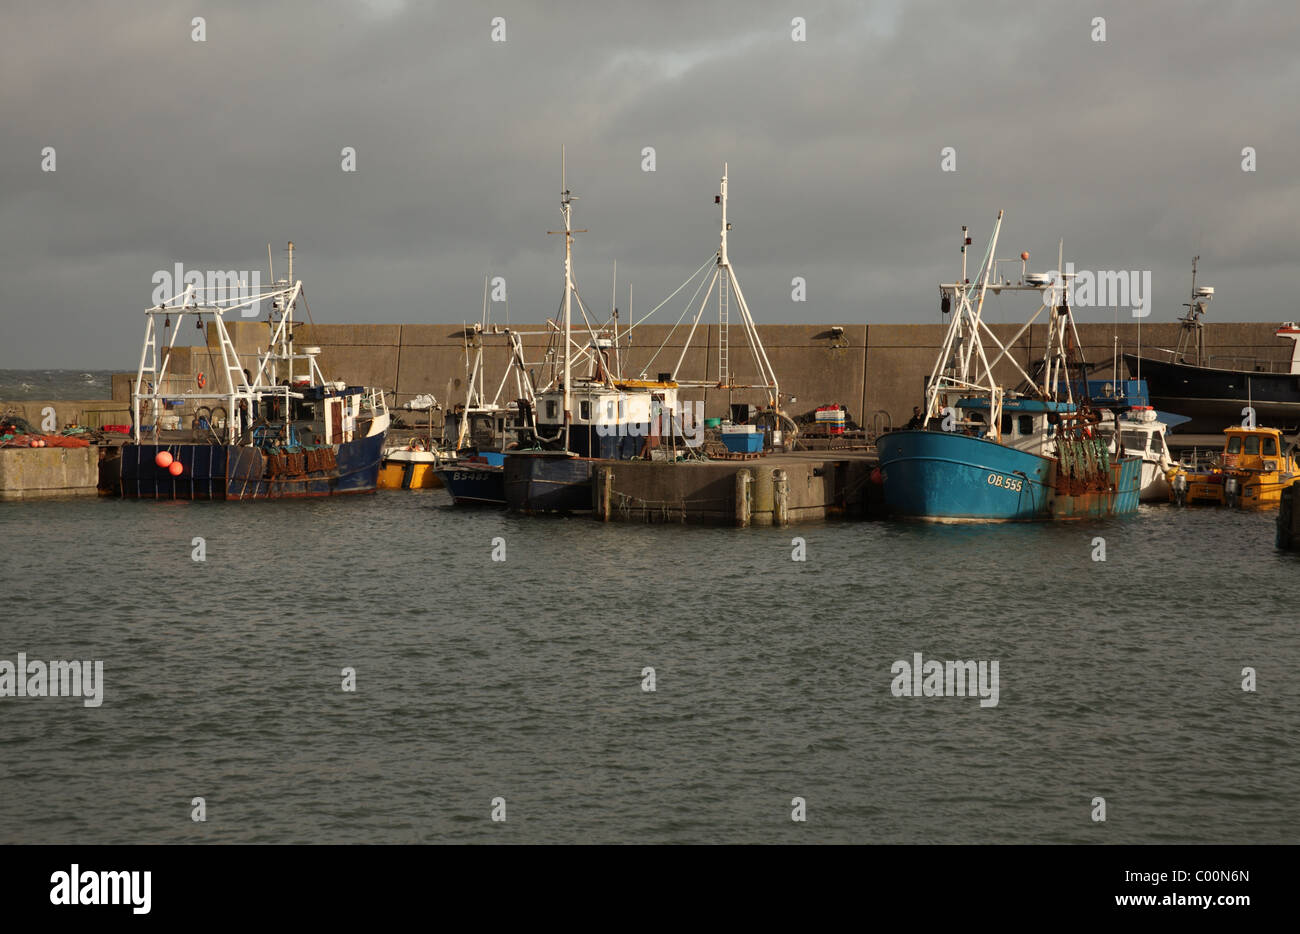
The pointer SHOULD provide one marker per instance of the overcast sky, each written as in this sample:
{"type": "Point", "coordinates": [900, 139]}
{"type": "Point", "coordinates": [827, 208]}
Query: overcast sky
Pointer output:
{"type": "Point", "coordinates": [169, 150]}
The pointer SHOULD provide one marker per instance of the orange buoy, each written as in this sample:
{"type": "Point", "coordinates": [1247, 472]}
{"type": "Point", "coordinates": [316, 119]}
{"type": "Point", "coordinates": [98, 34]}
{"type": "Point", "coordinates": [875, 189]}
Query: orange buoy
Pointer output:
{"type": "Point", "coordinates": [175, 469]}
{"type": "Point", "coordinates": [163, 459]}
{"type": "Point", "coordinates": [201, 379]}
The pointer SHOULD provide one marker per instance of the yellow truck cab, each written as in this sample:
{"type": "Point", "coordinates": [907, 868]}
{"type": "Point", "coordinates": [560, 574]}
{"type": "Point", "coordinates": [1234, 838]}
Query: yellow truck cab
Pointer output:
{"type": "Point", "coordinates": [1251, 472]}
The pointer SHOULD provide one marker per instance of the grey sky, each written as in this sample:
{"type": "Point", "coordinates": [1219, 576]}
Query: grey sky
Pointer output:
{"type": "Point", "coordinates": [172, 151]}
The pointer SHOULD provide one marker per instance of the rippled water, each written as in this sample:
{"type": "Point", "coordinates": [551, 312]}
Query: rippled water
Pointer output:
{"type": "Point", "coordinates": [27, 385]}
{"type": "Point", "coordinates": [522, 679]}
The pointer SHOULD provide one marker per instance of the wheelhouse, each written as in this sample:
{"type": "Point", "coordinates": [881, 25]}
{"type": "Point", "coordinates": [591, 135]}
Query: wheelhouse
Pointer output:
{"type": "Point", "coordinates": [1025, 424]}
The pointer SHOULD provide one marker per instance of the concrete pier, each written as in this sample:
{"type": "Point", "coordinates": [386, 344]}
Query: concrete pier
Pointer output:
{"type": "Point", "coordinates": [42, 473]}
{"type": "Point", "coordinates": [780, 489]}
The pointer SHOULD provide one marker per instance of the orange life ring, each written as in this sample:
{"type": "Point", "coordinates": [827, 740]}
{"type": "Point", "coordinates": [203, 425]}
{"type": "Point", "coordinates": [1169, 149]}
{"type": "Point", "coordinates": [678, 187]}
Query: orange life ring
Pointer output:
{"type": "Point", "coordinates": [201, 379]}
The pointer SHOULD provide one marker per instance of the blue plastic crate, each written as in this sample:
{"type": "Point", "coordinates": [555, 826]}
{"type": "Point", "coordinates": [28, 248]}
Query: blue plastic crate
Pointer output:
{"type": "Point", "coordinates": [743, 443]}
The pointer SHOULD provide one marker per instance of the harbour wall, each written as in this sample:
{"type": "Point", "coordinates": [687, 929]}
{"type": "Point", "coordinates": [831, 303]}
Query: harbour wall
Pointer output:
{"type": "Point", "coordinates": [39, 473]}
{"type": "Point", "coordinates": [876, 371]}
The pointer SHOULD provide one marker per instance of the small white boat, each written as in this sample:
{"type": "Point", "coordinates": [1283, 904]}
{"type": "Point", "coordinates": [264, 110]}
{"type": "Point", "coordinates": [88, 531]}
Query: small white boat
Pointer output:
{"type": "Point", "coordinates": [1137, 431]}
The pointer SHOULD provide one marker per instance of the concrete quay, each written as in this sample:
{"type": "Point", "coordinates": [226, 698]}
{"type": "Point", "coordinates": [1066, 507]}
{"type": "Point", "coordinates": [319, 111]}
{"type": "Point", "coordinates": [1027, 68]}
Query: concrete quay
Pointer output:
{"type": "Point", "coordinates": [44, 473]}
{"type": "Point", "coordinates": [777, 489]}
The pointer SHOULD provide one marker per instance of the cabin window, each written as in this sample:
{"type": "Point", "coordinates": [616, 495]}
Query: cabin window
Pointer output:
{"type": "Point", "coordinates": [1134, 440]}
{"type": "Point", "coordinates": [609, 410]}
{"type": "Point", "coordinates": [584, 411]}
{"type": "Point", "coordinates": [1158, 443]}
{"type": "Point", "coordinates": [1026, 424]}
{"type": "Point", "coordinates": [550, 408]}
{"type": "Point", "coordinates": [1234, 444]}
{"type": "Point", "coordinates": [1270, 447]}
{"type": "Point", "coordinates": [1252, 445]}
{"type": "Point", "coordinates": [1006, 423]}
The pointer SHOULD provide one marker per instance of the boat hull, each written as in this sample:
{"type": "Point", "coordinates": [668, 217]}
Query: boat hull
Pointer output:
{"type": "Point", "coordinates": [543, 481]}
{"type": "Point", "coordinates": [1254, 493]}
{"type": "Point", "coordinates": [242, 472]}
{"type": "Point", "coordinates": [410, 473]}
{"type": "Point", "coordinates": [1213, 398]}
{"type": "Point", "coordinates": [1155, 483]}
{"type": "Point", "coordinates": [475, 485]}
{"type": "Point", "coordinates": [951, 477]}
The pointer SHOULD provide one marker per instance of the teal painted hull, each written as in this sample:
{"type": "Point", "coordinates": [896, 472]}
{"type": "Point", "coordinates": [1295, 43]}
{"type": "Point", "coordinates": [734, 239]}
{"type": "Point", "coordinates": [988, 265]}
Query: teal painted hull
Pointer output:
{"type": "Point", "coordinates": [955, 477]}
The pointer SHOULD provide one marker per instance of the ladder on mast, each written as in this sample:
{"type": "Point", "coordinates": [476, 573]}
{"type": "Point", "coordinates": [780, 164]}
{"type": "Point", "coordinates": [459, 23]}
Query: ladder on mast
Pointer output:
{"type": "Point", "coordinates": [724, 376]}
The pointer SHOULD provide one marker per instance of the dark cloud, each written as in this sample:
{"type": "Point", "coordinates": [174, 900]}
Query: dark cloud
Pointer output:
{"type": "Point", "coordinates": [174, 151]}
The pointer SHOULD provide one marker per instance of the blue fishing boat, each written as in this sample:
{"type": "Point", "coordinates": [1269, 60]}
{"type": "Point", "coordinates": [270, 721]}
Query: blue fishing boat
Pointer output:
{"type": "Point", "coordinates": [476, 481]}
{"type": "Point", "coordinates": [989, 454]}
{"type": "Point", "coordinates": [955, 476]}
{"type": "Point", "coordinates": [266, 428]}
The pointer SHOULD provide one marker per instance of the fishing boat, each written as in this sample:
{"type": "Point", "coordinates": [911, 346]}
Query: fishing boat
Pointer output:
{"type": "Point", "coordinates": [581, 418]}
{"type": "Point", "coordinates": [987, 453]}
{"type": "Point", "coordinates": [1254, 467]}
{"type": "Point", "coordinates": [476, 480]}
{"type": "Point", "coordinates": [270, 427]}
{"type": "Point", "coordinates": [478, 433]}
{"type": "Point", "coordinates": [1186, 380]}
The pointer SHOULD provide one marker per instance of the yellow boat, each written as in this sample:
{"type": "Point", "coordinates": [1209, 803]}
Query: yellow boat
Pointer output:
{"type": "Point", "coordinates": [1251, 472]}
{"type": "Point", "coordinates": [411, 468]}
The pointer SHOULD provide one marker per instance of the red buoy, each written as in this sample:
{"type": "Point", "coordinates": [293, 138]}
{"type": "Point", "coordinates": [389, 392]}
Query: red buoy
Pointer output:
{"type": "Point", "coordinates": [175, 469]}
{"type": "Point", "coordinates": [163, 459]}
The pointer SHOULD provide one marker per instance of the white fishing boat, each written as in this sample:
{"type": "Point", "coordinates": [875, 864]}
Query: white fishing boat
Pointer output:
{"type": "Point", "coordinates": [1139, 432]}
{"type": "Point", "coordinates": [588, 409]}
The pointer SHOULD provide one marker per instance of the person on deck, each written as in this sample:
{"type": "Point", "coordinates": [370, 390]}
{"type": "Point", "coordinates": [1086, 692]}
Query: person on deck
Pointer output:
{"type": "Point", "coordinates": [918, 420]}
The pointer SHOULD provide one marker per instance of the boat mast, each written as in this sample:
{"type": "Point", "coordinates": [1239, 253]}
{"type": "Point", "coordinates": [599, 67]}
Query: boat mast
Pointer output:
{"type": "Point", "coordinates": [1191, 330]}
{"type": "Point", "coordinates": [288, 315]}
{"type": "Point", "coordinates": [728, 288]}
{"type": "Point", "coordinates": [566, 207]}
{"type": "Point", "coordinates": [956, 369]}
